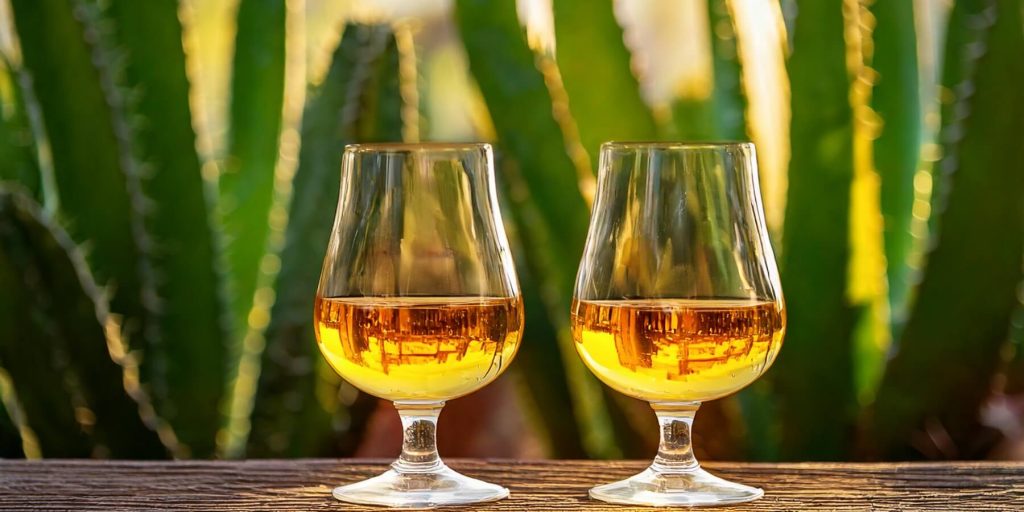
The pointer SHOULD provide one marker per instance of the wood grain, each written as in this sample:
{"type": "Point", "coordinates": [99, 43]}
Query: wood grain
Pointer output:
{"type": "Point", "coordinates": [536, 486]}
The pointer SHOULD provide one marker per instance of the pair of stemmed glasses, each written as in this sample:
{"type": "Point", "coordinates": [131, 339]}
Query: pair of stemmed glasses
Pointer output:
{"type": "Point", "coordinates": [677, 300]}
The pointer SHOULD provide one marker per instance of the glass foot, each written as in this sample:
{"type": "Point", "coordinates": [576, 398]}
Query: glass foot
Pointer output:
{"type": "Point", "coordinates": [439, 487]}
{"type": "Point", "coordinates": [692, 488]}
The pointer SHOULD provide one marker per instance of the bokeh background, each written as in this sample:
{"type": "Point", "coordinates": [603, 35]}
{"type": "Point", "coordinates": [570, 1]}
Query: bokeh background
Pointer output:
{"type": "Point", "coordinates": [170, 170]}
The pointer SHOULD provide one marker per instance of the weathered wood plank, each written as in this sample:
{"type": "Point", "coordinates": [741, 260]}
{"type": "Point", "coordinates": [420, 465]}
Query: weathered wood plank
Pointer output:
{"type": "Point", "coordinates": [546, 485]}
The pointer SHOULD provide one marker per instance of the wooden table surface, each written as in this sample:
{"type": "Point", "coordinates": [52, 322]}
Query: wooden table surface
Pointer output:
{"type": "Point", "coordinates": [535, 485]}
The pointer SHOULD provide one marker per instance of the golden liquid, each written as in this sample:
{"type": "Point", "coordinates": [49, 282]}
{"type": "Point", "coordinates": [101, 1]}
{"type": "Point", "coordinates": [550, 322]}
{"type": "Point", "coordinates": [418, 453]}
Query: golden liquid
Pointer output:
{"type": "Point", "coordinates": [677, 349]}
{"type": "Point", "coordinates": [418, 348]}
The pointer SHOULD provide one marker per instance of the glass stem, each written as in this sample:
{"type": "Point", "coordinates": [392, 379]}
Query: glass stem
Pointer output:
{"type": "Point", "coordinates": [419, 440]}
{"type": "Point", "coordinates": [675, 451]}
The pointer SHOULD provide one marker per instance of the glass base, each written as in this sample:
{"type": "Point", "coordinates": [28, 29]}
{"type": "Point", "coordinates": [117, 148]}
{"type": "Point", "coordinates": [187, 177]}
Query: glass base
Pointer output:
{"type": "Point", "coordinates": [693, 488]}
{"type": "Point", "coordinates": [438, 487]}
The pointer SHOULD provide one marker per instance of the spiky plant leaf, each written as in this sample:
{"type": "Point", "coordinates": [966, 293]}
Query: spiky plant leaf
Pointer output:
{"type": "Point", "coordinates": [966, 30]}
{"type": "Point", "coordinates": [961, 317]}
{"type": "Point", "coordinates": [17, 165]}
{"type": "Point", "coordinates": [296, 409]}
{"type": "Point", "coordinates": [604, 96]}
{"type": "Point", "coordinates": [59, 345]}
{"type": "Point", "coordinates": [247, 180]}
{"type": "Point", "coordinates": [813, 375]}
{"type": "Point", "coordinates": [187, 369]}
{"type": "Point", "coordinates": [520, 105]}
{"type": "Point", "coordinates": [896, 100]}
{"type": "Point", "coordinates": [17, 146]}
{"type": "Point", "coordinates": [75, 80]}
{"type": "Point", "coordinates": [730, 102]}
{"type": "Point", "coordinates": [379, 116]}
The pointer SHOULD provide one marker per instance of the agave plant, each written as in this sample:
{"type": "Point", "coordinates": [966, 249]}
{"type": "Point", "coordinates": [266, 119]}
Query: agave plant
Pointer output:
{"type": "Point", "coordinates": [119, 281]}
{"type": "Point", "coordinates": [850, 198]}
{"type": "Point", "coordinates": [172, 317]}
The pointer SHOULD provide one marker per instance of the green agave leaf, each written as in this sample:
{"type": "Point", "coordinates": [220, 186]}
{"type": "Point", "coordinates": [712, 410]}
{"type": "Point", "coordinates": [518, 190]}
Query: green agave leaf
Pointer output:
{"type": "Point", "coordinates": [296, 409]}
{"type": "Point", "coordinates": [539, 358]}
{"type": "Point", "coordinates": [74, 78]}
{"type": "Point", "coordinates": [896, 100]}
{"type": "Point", "coordinates": [958, 67]}
{"type": "Point", "coordinates": [730, 103]}
{"type": "Point", "coordinates": [961, 318]}
{"type": "Point", "coordinates": [813, 375]}
{"type": "Point", "coordinates": [546, 185]}
{"type": "Point", "coordinates": [17, 164]}
{"type": "Point", "coordinates": [721, 116]}
{"type": "Point", "coordinates": [187, 368]}
{"type": "Point", "coordinates": [17, 144]}
{"type": "Point", "coordinates": [247, 181]}
{"type": "Point", "coordinates": [604, 96]}
{"type": "Point", "coordinates": [379, 116]}
{"type": "Point", "coordinates": [54, 345]}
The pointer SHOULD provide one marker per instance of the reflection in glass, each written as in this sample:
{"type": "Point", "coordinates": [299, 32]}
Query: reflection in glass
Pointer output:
{"type": "Point", "coordinates": [418, 302]}
{"type": "Point", "coordinates": [677, 299]}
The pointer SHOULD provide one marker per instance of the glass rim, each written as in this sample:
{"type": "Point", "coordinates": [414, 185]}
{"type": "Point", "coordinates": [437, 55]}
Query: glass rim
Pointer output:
{"type": "Point", "coordinates": [674, 145]}
{"type": "Point", "coordinates": [417, 147]}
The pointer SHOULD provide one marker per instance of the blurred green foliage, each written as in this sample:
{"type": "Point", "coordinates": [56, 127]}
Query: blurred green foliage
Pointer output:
{"type": "Point", "coordinates": [146, 315]}
{"type": "Point", "coordinates": [897, 150]}
{"type": "Point", "coordinates": [551, 214]}
{"type": "Point", "coordinates": [296, 409]}
{"type": "Point", "coordinates": [246, 183]}
{"type": "Point", "coordinates": [54, 316]}
{"type": "Point", "coordinates": [816, 252]}
{"type": "Point", "coordinates": [970, 288]}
